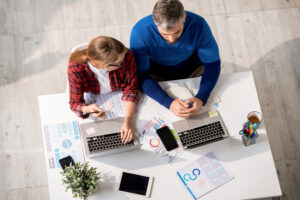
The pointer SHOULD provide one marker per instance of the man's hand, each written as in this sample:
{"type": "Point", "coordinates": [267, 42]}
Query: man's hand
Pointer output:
{"type": "Point", "coordinates": [196, 105]}
{"type": "Point", "coordinates": [177, 106]}
{"type": "Point", "coordinates": [127, 131]}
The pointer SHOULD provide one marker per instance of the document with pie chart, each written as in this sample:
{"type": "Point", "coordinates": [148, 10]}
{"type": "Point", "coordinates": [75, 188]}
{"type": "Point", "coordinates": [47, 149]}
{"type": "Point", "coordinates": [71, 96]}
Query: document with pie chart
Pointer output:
{"type": "Point", "coordinates": [149, 138]}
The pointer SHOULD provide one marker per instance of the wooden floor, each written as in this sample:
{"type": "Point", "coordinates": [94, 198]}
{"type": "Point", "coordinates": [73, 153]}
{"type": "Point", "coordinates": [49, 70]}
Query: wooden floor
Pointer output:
{"type": "Point", "coordinates": [35, 41]}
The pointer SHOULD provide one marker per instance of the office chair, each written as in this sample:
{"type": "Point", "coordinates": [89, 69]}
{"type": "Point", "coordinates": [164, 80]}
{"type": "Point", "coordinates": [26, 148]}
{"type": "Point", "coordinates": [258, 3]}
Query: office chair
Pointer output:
{"type": "Point", "coordinates": [77, 47]}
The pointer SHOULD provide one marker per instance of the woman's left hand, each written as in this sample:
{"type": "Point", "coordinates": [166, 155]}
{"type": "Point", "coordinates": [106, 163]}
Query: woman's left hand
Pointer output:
{"type": "Point", "coordinates": [127, 132]}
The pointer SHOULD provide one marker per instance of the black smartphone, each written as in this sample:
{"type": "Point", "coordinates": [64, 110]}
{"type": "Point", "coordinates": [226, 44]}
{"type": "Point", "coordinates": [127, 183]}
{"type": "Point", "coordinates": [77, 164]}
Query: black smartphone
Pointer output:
{"type": "Point", "coordinates": [66, 162]}
{"type": "Point", "coordinates": [167, 138]}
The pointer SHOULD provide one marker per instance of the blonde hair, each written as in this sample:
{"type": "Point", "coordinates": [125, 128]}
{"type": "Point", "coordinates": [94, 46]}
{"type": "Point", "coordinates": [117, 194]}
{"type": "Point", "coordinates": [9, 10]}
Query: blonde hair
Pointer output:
{"type": "Point", "coordinates": [102, 48]}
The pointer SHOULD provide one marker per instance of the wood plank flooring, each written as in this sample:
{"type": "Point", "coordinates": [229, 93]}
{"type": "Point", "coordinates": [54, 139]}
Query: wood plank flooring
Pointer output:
{"type": "Point", "coordinates": [35, 41]}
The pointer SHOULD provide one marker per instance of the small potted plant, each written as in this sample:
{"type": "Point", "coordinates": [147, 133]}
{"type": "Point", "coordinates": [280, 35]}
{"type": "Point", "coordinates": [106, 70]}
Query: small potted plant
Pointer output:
{"type": "Point", "coordinates": [81, 179]}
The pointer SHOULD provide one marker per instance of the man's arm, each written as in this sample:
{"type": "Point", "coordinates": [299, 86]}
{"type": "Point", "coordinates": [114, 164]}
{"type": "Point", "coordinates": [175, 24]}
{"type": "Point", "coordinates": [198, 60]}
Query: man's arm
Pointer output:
{"type": "Point", "coordinates": [208, 82]}
{"type": "Point", "coordinates": [209, 79]}
{"type": "Point", "coordinates": [141, 54]}
{"type": "Point", "coordinates": [208, 53]}
{"type": "Point", "coordinates": [150, 87]}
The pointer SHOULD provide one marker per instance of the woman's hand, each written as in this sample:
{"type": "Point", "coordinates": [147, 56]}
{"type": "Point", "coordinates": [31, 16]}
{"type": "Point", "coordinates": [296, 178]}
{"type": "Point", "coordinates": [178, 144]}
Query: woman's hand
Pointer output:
{"type": "Point", "coordinates": [127, 131]}
{"type": "Point", "coordinates": [94, 110]}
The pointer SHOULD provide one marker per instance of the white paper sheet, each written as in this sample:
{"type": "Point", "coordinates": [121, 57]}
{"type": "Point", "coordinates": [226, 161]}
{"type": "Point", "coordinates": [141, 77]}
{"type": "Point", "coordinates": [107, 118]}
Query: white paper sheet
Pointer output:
{"type": "Point", "coordinates": [62, 140]}
{"type": "Point", "coordinates": [179, 92]}
{"type": "Point", "coordinates": [110, 102]}
{"type": "Point", "coordinates": [185, 91]}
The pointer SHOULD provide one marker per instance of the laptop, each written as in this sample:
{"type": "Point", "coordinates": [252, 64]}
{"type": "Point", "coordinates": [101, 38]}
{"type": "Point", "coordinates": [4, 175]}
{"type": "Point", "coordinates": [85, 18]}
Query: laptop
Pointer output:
{"type": "Point", "coordinates": [104, 138]}
{"type": "Point", "coordinates": [200, 129]}
{"type": "Point", "coordinates": [205, 127]}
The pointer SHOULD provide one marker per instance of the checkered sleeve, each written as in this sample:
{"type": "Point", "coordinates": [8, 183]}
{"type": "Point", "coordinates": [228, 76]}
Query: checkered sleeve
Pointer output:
{"type": "Point", "coordinates": [130, 91]}
{"type": "Point", "coordinates": [76, 99]}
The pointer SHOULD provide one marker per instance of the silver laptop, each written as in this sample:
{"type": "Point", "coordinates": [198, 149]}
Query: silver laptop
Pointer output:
{"type": "Point", "coordinates": [200, 129]}
{"type": "Point", "coordinates": [104, 138]}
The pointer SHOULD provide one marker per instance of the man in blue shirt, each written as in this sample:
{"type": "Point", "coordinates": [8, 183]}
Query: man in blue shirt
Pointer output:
{"type": "Point", "coordinates": [172, 44]}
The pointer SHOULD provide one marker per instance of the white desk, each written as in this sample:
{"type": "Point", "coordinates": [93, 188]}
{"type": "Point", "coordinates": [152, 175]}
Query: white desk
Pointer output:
{"type": "Point", "coordinates": [252, 166]}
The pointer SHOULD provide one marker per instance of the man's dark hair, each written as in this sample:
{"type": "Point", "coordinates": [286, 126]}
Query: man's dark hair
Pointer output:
{"type": "Point", "coordinates": [168, 13]}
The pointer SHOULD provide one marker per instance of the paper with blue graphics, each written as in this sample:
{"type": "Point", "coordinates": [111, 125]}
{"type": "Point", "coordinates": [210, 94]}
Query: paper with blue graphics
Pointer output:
{"type": "Point", "coordinates": [62, 140]}
{"type": "Point", "coordinates": [204, 175]}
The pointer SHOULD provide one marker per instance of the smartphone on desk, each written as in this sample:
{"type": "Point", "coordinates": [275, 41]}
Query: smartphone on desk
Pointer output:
{"type": "Point", "coordinates": [167, 138]}
{"type": "Point", "coordinates": [66, 161]}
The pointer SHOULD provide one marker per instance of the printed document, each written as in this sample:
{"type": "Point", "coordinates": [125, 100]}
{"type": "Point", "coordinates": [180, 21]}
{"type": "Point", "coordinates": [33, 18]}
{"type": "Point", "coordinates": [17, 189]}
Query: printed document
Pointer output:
{"type": "Point", "coordinates": [204, 175]}
{"type": "Point", "coordinates": [110, 102]}
{"type": "Point", "coordinates": [149, 138]}
{"type": "Point", "coordinates": [62, 140]}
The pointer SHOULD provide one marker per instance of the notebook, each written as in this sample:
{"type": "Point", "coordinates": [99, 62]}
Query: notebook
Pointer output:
{"type": "Point", "coordinates": [204, 175]}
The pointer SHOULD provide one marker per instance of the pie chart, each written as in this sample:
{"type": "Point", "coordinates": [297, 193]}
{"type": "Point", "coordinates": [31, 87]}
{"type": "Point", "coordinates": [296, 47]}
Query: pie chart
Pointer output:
{"type": "Point", "coordinates": [154, 142]}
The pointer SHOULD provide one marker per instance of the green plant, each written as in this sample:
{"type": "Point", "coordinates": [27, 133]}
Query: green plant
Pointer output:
{"type": "Point", "coordinates": [81, 179]}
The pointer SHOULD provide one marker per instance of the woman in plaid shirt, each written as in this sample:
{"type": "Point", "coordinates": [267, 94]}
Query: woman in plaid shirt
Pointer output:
{"type": "Point", "coordinates": [106, 65]}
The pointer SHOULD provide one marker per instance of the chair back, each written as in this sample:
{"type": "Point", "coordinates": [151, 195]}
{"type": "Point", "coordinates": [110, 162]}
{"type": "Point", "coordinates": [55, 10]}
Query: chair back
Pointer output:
{"type": "Point", "coordinates": [79, 47]}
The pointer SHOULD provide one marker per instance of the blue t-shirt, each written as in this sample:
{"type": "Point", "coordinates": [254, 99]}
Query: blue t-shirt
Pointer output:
{"type": "Point", "coordinates": [147, 44]}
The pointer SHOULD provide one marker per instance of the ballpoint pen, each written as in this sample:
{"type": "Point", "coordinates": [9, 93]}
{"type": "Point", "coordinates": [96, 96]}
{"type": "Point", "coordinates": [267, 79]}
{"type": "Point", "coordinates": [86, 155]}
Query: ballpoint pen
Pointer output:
{"type": "Point", "coordinates": [92, 112]}
{"type": "Point", "coordinates": [95, 112]}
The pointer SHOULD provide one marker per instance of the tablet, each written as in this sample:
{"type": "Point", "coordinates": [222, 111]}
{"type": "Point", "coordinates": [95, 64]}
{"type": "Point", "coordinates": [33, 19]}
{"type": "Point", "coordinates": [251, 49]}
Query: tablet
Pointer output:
{"type": "Point", "coordinates": [135, 184]}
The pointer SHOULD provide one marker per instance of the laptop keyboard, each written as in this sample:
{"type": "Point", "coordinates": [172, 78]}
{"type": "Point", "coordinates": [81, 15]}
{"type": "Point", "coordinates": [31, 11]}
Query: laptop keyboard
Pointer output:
{"type": "Point", "coordinates": [202, 135]}
{"type": "Point", "coordinates": [106, 142]}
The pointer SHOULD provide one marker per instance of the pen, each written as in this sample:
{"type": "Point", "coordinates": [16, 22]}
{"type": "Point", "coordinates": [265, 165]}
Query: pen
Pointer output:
{"type": "Point", "coordinates": [95, 112]}
{"type": "Point", "coordinates": [92, 112]}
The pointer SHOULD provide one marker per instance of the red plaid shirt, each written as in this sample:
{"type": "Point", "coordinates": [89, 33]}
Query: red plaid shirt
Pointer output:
{"type": "Point", "coordinates": [82, 79]}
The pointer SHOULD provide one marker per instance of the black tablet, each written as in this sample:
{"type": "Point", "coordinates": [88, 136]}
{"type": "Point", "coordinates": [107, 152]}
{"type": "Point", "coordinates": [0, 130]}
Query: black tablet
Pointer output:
{"type": "Point", "coordinates": [135, 184]}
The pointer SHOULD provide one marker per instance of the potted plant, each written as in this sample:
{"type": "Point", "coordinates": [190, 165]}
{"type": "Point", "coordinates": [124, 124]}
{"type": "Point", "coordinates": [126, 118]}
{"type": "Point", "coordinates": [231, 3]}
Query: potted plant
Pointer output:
{"type": "Point", "coordinates": [81, 179]}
